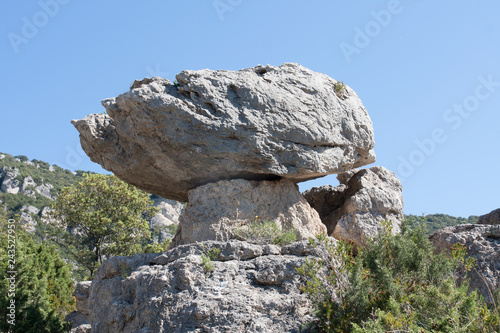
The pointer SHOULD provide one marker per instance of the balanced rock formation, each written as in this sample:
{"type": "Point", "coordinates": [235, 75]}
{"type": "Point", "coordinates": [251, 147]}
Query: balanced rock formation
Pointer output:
{"type": "Point", "coordinates": [250, 288]}
{"type": "Point", "coordinates": [483, 244]}
{"type": "Point", "coordinates": [215, 210]}
{"type": "Point", "coordinates": [354, 209]}
{"type": "Point", "coordinates": [261, 123]}
{"type": "Point", "coordinates": [492, 217]}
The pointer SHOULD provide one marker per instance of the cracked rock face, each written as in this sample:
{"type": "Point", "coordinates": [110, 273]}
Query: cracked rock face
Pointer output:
{"type": "Point", "coordinates": [354, 209]}
{"type": "Point", "coordinates": [260, 123]}
{"type": "Point", "coordinates": [483, 244]}
{"type": "Point", "coordinates": [252, 288]}
{"type": "Point", "coordinates": [215, 210]}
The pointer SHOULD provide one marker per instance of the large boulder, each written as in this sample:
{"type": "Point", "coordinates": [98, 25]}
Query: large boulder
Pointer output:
{"type": "Point", "coordinates": [260, 123]}
{"type": "Point", "coordinates": [355, 209]}
{"type": "Point", "coordinates": [250, 288]}
{"type": "Point", "coordinates": [215, 210]}
{"type": "Point", "coordinates": [483, 244]}
{"type": "Point", "coordinates": [492, 217]}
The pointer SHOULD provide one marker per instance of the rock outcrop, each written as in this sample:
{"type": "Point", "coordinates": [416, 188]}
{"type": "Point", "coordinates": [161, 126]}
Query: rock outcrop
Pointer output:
{"type": "Point", "coordinates": [215, 210]}
{"type": "Point", "coordinates": [354, 209]}
{"type": "Point", "coordinates": [169, 212]}
{"type": "Point", "coordinates": [261, 123]}
{"type": "Point", "coordinates": [10, 183]}
{"type": "Point", "coordinates": [80, 319]}
{"type": "Point", "coordinates": [483, 244]}
{"type": "Point", "coordinates": [491, 218]}
{"type": "Point", "coordinates": [252, 288]}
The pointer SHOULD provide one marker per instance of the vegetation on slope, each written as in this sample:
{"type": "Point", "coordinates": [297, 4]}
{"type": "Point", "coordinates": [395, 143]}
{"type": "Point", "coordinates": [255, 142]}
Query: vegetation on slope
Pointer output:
{"type": "Point", "coordinates": [434, 222]}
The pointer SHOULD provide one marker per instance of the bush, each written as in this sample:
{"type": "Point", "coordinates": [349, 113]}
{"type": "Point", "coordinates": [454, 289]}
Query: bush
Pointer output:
{"type": "Point", "coordinates": [43, 284]}
{"type": "Point", "coordinates": [265, 232]}
{"type": "Point", "coordinates": [396, 283]}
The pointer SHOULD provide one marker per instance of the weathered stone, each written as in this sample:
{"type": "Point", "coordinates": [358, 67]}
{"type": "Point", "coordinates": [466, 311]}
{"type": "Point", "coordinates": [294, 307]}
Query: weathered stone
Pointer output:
{"type": "Point", "coordinates": [81, 293]}
{"type": "Point", "coordinates": [169, 213]}
{"type": "Point", "coordinates": [10, 183]}
{"type": "Point", "coordinates": [261, 123]}
{"type": "Point", "coordinates": [215, 210]}
{"type": "Point", "coordinates": [27, 221]}
{"type": "Point", "coordinates": [354, 210]}
{"type": "Point", "coordinates": [491, 218]}
{"type": "Point", "coordinates": [28, 185]}
{"type": "Point", "coordinates": [45, 215]}
{"type": "Point", "coordinates": [44, 190]}
{"type": "Point", "coordinates": [252, 288]}
{"type": "Point", "coordinates": [80, 323]}
{"type": "Point", "coordinates": [30, 209]}
{"type": "Point", "coordinates": [483, 244]}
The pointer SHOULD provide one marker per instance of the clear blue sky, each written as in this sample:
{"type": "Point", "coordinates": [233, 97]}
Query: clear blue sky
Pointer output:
{"type": "Point", "coordinates": [427, 71]}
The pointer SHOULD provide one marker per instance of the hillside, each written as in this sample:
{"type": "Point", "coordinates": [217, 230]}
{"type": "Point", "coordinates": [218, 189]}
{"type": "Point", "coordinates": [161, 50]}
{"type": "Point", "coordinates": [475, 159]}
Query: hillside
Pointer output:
{"type": "Point", "coordinates": [434, 222]}
{"type": "Point", "coordinates": [28, 187]}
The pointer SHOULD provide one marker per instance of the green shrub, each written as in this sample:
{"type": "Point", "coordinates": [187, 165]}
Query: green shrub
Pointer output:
{"type": "Point", "coordinates": [395, 284]}
{"type": "Point", "coordinates": [339, 87]}
{"type": "Point", "coordinates": [265, 232]}
{"type": "Point", "coordinates": [206, 259]}
{"type": "Point", "coordinates": [43, 286]}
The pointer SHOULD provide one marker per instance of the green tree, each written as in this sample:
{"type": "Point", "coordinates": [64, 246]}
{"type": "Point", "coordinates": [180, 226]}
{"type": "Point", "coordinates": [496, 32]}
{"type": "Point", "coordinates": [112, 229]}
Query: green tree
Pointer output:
{"type": "Point", "coordinates": [41, 287]}
{"type": "Point", "coordinates": [106, 217]}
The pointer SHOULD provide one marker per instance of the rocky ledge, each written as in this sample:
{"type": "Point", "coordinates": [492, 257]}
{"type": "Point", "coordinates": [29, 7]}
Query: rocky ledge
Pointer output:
{"type": "Point", "coordinates": [245, 288]}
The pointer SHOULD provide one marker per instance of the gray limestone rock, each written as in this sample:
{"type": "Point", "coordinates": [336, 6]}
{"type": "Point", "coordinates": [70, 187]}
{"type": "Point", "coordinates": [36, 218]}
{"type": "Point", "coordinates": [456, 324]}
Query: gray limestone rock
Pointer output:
{"type": "Point", "coordinates": [215, 210]}
{"type": "Point", "coordinates": [354, 210]}
{"type": "Point", "coordinates": [27, 221]}
{"type": "Point", "coordinates": [169, 213]}
{"type": "Point", "coordinates": [30, 209]}
{"type": "Point", "coordinates": [491, 218]}
{"type": "Point", "coordinates": [44, 190]}
{"type": "Point", "coordinates": [81, 293]}
{"type": "Point", "coordinates": [79, 319]}
{"type": "Point", "coordinates": [28, 185]}
{"type": "Point", "coordinates": [482, 243]}
{"type": "Point", "coordinates": [260, 123]}
{"type": "Point", "coordinates": [10, 183]}
{"type": "Point", "coordinates": [252, 288]}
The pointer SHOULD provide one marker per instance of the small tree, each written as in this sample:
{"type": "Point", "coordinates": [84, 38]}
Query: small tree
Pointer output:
{"type": "Point", "coordinates": [106, 217]}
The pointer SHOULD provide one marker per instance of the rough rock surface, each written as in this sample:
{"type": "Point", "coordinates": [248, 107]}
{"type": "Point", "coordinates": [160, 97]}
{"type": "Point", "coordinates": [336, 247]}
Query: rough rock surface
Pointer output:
{"type": "Point", "coordinates": [252, 288]}
{"type": "Point", "coordinates": [216, 209]}
{"type": "Point", "coordinates": [491, 218]}
{"type": "Point", "coordinates": [44, 189]}
{"type": "Point", "coordinates": [483, 244]}
{"type": "Point", "coordinates": [354, 209]}
{"type": "Point", "coordinates": [80, 319]}
{"type": "Point", "coordinates": [259, 123]}
{"type": "Point", "coordinates": [169, 213]}
{"type": "Point", "coordinates": [10, 183]}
